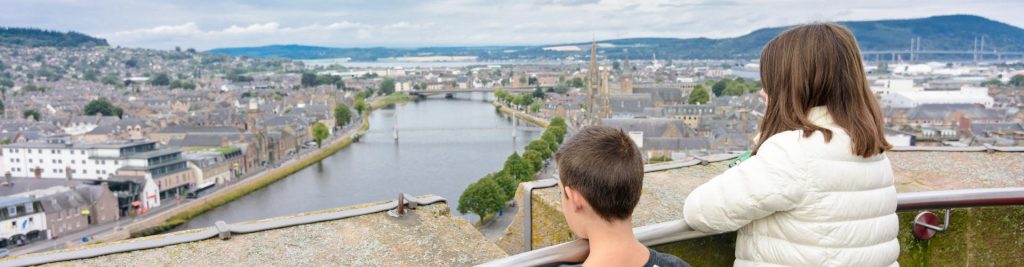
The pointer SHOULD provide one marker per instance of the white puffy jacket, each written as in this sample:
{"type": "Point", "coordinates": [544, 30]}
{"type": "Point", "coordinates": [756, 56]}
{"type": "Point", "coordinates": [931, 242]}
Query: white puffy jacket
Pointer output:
{"type": "Point", "coordinates": [803, 202]}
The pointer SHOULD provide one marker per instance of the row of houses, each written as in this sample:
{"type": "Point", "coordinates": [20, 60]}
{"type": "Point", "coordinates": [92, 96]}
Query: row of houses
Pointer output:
{"type": "Point", "coordinates": [37, 209]}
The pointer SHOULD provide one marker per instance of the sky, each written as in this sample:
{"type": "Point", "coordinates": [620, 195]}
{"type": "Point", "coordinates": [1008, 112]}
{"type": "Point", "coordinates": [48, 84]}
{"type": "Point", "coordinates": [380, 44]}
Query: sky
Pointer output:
{"type": "Point", "coordinates": [208, 24]}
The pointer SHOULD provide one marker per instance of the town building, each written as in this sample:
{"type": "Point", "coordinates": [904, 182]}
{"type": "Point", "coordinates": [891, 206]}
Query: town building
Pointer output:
{"type": "Point", "coordinates": [21, 221]}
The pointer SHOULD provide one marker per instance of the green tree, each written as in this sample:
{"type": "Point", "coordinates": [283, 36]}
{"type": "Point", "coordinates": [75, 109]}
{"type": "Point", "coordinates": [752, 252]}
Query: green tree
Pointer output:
{"type": "Point", "coordinates": [501, 94]}
{"type": "Point", "coordinates": [110, 79]}
{"type": "Point", "coordinates": [308, 79]}
{"type": "Point", "coordinates": [3, 109]}
{"type": "Point", "coordinates": [736, 88]}
{"type": "Point", "coordinates": [523, 100]}
{"type": "Point", "coordinates": [518, 168]}
{"type": "Point", "coordinates": [699, 95]}
{"type": "Point", "coordinates": [103, 107]}
{"type": "Point", "coordinates": [534, 158]}
{"type": "Point", "coordinates": [992, 83]}
{"type": "Point", "coordinates": [541, 147]}
{"type": "Point", "coordinates": [1017, 80]}
{"type": "Point", "coordinates": [320, 132]}
{"type": "Point", "coordinates": [508, 184]}
{"type": "Point", "coordinates": [558, 121]}
{"type": "Point", "coordinates": [482, 198]}
{"type": "Point", "coordinates": [160, 80]}
{"type": "Point", "coordinates": [561, 88]}
{"type": "Point", "coordinates": [719, 87]}
{"type": "Point", "coordinates": [535, 107]}
{"type": "Point", "coordinates": [538, 93]}
{"type": "Point", "coordinates": [31, 113]}
{"type": "Point", "coordinates": [342, 115]}
{"type": "Point", "coordinates": [183, 84]}
{"type": "Point", "coordinates": [552, 140]}
{"type": "Point", "coordinates": [576, 82]}
{"type": "Point", "coordinates": [387, 86]}
{"type": "Point", "coordinates": [359, 105]}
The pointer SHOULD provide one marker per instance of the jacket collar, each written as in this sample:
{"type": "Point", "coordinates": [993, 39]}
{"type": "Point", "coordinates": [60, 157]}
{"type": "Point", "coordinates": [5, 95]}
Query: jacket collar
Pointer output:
{"type": "Point", "coordinates": [819, 116]}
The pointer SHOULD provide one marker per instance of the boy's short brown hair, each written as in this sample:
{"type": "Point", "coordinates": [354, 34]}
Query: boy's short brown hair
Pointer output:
{"type": "Point", "coordinates": [605, 166]}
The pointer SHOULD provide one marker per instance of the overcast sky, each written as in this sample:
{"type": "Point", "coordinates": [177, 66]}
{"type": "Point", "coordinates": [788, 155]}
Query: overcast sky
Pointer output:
{"type": "Point", "coordinates": [207, 24]}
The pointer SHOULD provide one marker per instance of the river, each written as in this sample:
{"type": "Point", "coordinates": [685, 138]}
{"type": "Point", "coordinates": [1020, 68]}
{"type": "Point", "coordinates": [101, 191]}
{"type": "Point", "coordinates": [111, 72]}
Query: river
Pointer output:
{"type": "Point", "coordinates": [444, 145]}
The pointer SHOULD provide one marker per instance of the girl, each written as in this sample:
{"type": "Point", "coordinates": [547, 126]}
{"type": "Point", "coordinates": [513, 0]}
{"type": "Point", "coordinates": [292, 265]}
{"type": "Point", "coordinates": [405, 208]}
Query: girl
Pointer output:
{"type": "Point", "coordinates": [818, 190]}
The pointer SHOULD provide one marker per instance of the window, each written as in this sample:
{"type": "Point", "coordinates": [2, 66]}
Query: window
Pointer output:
{"type": "Point", "coordinates": [29, 208]}
{"type": "Point", "coordinates": [72, 161]}
{"type": "Point", "coordinates": [40, 151]}
{"type": "Point", "coordinates": [29, 160]}
{"type": "Point", "coordinates": [12, 211]}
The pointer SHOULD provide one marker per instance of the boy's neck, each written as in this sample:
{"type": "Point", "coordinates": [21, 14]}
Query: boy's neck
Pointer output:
{"type": "Point", "coordinates": [615, 245]}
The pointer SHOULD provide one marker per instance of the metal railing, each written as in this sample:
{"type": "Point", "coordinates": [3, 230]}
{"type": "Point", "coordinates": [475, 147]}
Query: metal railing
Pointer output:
{"type": "Point", "coordinates": [678, 230]}
{"type": "Point", "coordinates": [528, 188]}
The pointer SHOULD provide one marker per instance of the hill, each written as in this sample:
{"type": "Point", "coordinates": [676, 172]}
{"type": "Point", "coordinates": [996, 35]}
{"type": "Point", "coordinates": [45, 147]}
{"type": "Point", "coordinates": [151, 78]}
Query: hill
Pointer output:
{"type": "Point", "coordinates": [953, 32]}
{"type": "Point", "coordinates": [28, 37]}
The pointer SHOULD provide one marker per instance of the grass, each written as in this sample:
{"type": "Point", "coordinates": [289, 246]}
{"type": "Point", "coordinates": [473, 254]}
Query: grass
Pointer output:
{"type": "Point", "coordinates": [272, 176]}
{"type": "Point", "coordinates": [390, 100]}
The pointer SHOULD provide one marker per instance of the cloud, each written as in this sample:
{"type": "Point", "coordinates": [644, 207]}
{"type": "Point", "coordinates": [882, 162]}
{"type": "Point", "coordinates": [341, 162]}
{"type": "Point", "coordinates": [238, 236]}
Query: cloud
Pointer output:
{"type": "Point", "coordinates": [407, 23]}
{"type": "Point", "coordinates": [189, 28]}
{"type": "Point", "coordinates": [254, 28]}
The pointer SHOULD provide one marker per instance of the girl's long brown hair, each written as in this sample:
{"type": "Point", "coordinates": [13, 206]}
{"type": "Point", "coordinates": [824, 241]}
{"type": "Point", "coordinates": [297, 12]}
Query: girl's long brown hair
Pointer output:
{"type": "Point", "coordinates": [819, 65]}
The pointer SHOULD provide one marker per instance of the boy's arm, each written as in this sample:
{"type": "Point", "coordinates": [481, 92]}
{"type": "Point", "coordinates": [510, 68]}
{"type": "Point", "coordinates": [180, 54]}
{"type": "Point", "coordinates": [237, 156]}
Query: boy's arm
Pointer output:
{"type": "Point", "coordinates": [764, 184]}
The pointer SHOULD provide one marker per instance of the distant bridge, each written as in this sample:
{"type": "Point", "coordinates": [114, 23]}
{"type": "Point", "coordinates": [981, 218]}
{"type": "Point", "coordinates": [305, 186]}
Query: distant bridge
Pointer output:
{"type": "Point", "coordinates": [943, 52]}
{"type": "Point", "coordinates": [912, 55]}
{"type": "Point", "coordinates": [442, 129]}
{"type": "Point", "coordinates": [473, 90]}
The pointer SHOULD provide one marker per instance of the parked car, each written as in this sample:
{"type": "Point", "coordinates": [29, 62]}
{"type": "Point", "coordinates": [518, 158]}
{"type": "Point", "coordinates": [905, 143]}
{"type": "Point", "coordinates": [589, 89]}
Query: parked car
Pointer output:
{"type": "Point", "coordinates": [4, 253]}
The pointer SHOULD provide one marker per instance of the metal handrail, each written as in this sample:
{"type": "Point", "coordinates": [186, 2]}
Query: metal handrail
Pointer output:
{"type": "Point", "coordinates": [528, 188]}
{"type": "Point", "coordinates": [678, 230]}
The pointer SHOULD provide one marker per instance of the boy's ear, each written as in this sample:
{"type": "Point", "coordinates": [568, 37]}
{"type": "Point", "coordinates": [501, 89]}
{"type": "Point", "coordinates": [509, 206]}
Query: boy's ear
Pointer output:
{"type": "Point", "coordinates": [576, 200]}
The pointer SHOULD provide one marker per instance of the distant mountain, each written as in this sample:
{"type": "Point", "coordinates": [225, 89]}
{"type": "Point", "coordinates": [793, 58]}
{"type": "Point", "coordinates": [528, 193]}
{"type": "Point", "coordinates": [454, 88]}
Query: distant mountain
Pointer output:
{"type": "Point", "coordinates": [28, 37]}
{"type": "Point", "coordinates": [954, 32]}
{"type": "Point", "coordinates": [362, 54]}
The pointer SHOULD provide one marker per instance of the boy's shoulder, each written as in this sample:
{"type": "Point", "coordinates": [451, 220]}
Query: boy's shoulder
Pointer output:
{"type": "Point", "coordinates": [659, 259]}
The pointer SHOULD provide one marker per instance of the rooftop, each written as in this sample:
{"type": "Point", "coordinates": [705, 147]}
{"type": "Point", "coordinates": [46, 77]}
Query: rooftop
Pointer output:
{"type": "Point", "coordinates": [426, 236]}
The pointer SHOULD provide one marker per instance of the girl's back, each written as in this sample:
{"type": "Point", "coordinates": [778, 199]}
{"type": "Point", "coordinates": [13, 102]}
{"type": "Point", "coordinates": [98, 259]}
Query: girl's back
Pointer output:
{"type": "Point", "coordinates": [819, 189]}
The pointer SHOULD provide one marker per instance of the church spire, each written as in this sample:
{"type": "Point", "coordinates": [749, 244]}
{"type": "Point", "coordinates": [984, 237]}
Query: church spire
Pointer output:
{"type": "Point", "coordinates": [593, 84]}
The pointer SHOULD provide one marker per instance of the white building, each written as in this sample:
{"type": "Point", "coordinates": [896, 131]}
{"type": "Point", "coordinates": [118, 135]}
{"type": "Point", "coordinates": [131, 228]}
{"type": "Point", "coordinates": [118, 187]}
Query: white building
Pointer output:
{"type": "Point", "coordinates": [21, 219]}
{"type": "Point", "coordinates": [59, 159]}
{"type": "Point", "coordinates": [966, 95]}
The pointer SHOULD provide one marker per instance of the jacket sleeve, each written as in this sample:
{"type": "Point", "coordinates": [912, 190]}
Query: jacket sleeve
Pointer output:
{"type": "Point", "coordinates": [766, 183]}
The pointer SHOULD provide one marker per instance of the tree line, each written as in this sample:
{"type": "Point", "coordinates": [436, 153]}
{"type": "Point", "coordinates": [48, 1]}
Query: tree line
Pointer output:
{"type": "Point", "coordinates": [490, 193]}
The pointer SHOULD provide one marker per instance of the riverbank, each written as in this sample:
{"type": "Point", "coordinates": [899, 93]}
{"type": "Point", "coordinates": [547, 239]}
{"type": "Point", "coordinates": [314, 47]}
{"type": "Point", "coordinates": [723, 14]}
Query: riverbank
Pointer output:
{"type": "Point", "coordinates": [396, 98]}
{"type": "Point", "coordinates": [541, 122]}
{"type": "Point", "coordinates": [187, 211]}
{"type": "Point", "coordinates": [179, 215]}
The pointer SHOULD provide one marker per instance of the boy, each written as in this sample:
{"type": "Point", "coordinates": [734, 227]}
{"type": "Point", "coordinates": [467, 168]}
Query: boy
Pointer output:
{"type": "Point", "coordinates": [601, 174]}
